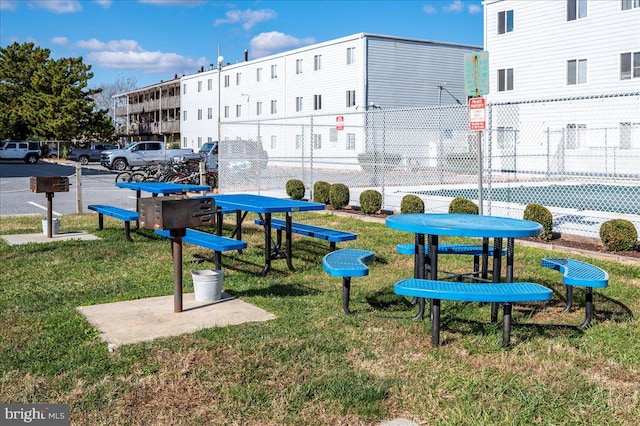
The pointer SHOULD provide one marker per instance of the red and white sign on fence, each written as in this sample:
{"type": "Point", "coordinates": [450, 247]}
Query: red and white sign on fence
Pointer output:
{"type": "Point", "coordinates": [340, 122]}
{"type": "Point", "coordinates": [477, 114]}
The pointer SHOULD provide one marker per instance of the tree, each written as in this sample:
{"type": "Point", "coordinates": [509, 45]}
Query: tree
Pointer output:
{"type": "Point", "coordinates": [104, 98]}
{"type": "Point", "coordinates": [45, 98]}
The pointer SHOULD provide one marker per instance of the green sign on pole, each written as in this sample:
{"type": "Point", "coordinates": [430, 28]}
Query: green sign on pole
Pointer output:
{"type": "Point", "coordinates": [476, 73]}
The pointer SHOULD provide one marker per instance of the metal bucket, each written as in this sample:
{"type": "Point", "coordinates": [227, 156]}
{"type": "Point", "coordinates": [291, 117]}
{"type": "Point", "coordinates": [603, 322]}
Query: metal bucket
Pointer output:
{"type": "Point", "coordinates": [207, 284]}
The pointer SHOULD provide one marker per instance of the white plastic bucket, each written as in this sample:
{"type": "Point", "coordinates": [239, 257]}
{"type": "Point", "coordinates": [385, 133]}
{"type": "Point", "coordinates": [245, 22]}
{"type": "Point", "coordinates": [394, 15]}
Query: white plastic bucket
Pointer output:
{"type": "Point", "coordinates": [207, 284]}
{"type": "Point", "coordinates": [55, 226]}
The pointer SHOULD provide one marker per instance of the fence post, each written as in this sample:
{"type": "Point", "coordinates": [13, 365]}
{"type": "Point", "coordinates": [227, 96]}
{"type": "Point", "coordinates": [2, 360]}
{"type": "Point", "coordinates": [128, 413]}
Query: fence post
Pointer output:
{"type": "Point", "coordinates": [78, 188]}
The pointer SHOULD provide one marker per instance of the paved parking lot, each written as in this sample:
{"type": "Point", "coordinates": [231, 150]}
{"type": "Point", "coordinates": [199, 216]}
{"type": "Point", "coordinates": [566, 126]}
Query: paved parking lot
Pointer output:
{"type": "Point", "coordinates": [97, 187]}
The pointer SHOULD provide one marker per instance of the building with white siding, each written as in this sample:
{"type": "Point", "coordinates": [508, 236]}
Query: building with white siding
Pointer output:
{"type": "Point", "coordinates": [325, 80]}
{"type": "Point", "coordinates": [582, 57]}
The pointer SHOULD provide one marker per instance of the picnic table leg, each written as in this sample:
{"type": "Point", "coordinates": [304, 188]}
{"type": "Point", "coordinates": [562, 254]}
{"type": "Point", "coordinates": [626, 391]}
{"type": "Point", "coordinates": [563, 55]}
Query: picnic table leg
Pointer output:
{"type": "Point", "coordinates": [435, 322]}
{"type": "Point", "coordinates": [485, 258]}
{"type": "Point", "coordinates": [506, 324]}
{"type": "Point", "coordinates": [433, 265]}
{"type": "Point", "coordinates": [567, 308]}
{"type": "Point", "coordinates": [288, 241]}
{"type": "Point", "coordinates": [497, 268]}
{"type": "Point", "coordinates": [588, 307]}
{"type": "Point", "coordinates": [346, 294]}
{"type": "Point", "coordinates": [176, 251]}
{"type": "Point", "coordinates": [127, 230]}
{"type": "Point", "coordinates": [267, 244]}
{"type": "Point", "coordinates": [100, 221]}
{"type": "Point", "coordinates": [418, 270]}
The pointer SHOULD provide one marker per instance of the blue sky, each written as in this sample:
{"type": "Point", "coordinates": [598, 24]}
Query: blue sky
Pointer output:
{"type": "Point", "coordinates": [153, 40]}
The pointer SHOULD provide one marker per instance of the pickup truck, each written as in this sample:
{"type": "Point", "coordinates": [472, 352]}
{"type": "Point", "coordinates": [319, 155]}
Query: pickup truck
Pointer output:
{"type": "Point", "coordinates": [140, 154]}
{"type": "Point", "coordinates": [92, 153]}
{"type": "Point", "coordinates": [29, 152]}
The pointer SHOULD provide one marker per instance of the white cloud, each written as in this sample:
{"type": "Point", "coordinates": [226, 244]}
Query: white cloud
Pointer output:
{"type": "Point", "coordinates": [58, 6]}
{"type": "Point", "coordinates": [129, 55]}
{"type": "Point", "coordinates": [474, 8]}
{"type": "Point", "coordinates": [104, 3]}
{"type": "Point", "coordinates": [248, 17]}
{"type": "Point", "coordinates": [59, 40]}
{"type": "Point", "coordinates": [267, 43]}
{"type": "Point", "coordinates": [429, 9]}
{"type": "Point", "coordinates": [455, 6]}
{"type": "Point", "coordinates": [8, 5]}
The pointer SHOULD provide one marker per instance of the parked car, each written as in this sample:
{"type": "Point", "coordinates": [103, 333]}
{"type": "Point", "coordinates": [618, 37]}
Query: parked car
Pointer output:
{"type": "Point", "coordinates": [89, 154]}
{"type": "Point", "coordinates": [29, 152]}
{"type": "Point", "coordinates": [140, 154]}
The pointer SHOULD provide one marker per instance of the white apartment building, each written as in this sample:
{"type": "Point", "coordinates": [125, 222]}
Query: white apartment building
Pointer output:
{"type": "Point", "coordinates": [327, 81]}
{"type": "Point", "coordinates": [582, 58]}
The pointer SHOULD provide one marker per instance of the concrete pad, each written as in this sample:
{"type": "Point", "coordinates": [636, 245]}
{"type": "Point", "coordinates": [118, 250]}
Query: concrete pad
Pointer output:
{"type": "Point", "coordinates": [41, 238]}
{"type": "Point", "coordinates": [147, 319]}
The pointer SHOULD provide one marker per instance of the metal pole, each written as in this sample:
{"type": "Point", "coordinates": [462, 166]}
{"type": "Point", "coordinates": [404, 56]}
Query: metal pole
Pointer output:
{"type": "Point", "coordinates": [50, 214]}
{"type": "Point", "coordinates": [480, 177]}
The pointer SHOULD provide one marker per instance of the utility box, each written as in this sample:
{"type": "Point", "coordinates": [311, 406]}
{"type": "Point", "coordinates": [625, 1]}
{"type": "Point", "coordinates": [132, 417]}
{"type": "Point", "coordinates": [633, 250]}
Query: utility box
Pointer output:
{"type": "Point", "coordinates": [49, 184]}
{"type": "Point", "coordinates": [175, 212]}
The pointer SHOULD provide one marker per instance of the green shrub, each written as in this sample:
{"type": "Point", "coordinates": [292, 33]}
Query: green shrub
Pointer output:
{"type": "Point", "coordinates": [619, 235]}
{"type": "Point", "coordinates": [463, 205]}
{"type": "Point", "coordinates": [338, 195]}
{"type": "Point", "coordinates": [370, 201]}
{"type": "Point", "coordinates": [540, 214]}
{"type": "Point", "coordinates": [295, 189]}
{"type": "Point", "coordinates": [411, 204]}
{"type": "Point", "coordinates": [321, 192]}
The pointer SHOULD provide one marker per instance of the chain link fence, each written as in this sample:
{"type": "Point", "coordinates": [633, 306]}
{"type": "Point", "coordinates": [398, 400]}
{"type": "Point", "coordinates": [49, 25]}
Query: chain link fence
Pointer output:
{"type": "Point", "coordinates": [576, 156]}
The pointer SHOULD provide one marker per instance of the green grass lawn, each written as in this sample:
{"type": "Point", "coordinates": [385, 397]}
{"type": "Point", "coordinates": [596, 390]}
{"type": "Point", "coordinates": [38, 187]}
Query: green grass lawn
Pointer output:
{"type": "Point", "coordinates": [312, 364]}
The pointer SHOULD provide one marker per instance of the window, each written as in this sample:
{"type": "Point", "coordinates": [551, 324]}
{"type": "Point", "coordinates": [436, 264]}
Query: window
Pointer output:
{"type": "Point", "coordinates": [184, 142]}
{"type": "Point", "coordinates": [259, 74]}
{"type": "Point", "coordinates": [628, 133]}
{"type": "Point", "coordinates": [505, 22]}
{"type": "Point", "coordinates": [333, 134]}
{"type": "Point", "coordinates": [226, 111]}
{"type": "Point", "coordinates": [351, 98]}
{"type": "Point", "coordinates": [351, 141]}
{"type": "Point", "coordinates": [209, 84]}
{"type": "Point", "coordinates": [630, 4]}
{"type": "Point", "coordinates": [576, 71]}
{"type": "Point", "coordinates": [299, 140]}
{"type": "Point", "coordinates": [199, 114]}
{"type": "Point", "coordinates": [317, 102]}
{"type": "Point", "coordinates": [238, 110]}
{"type": "Point", "coordinates": [298, 66]}
{"type": "Point", "coordinates": [505, 79]}
{"type": "Point", "coordinates": [184, 89]}
{"type": "Point", "coordinates": [576, 9]}
{"type": "Point", "coordinates": [351, 55]}
{"type": "Point", "coordinates": [238, 78]}
{"type": "Point", "coordinates": [209, 113]}
{"type": "Point", "coordinates": [274, 139]}
{"type": "Point", "coordinates": [317, 141]}
{"type": "Point", "coordinates": [258, 108]}
{"type": "Point", "coordinates": [274, 71]}
{"type": "Point", "coordinates": [575, 134]}
{"type": "Point", "coordinates": [506, 137]}
{"type": "Point", "coordinates": [317, 62]}
{"type": "Point", "coordinates": [199, 142]}
{"type": "Point", "coordinates": [199, 86]}
{"type": "Point", "coordinates": [184, 115]}
{"type": "Point", "coordinates": [274, 107]}
{"type": "Point", "coordinates": [629, 65]}
{"type": "Point", "coordinates": [298, 104]}
{"type": "Point", "coordinates": [226, 81]}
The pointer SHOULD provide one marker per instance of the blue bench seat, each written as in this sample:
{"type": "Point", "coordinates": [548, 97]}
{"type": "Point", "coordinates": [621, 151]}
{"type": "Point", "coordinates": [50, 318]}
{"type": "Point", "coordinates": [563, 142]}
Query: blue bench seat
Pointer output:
{"type": "Point", "coordinates": [506, 293]}
{"type": "Point", "coordinates": [210, 241]}
{"type": "Point", "coordinates": [332, 235]}
{"type": "Point", "coordinates": [116, 212]}
{"type": "Point", "coordinates": [347, 263]}
{"type": "Point", "coordinates": [582, 274]}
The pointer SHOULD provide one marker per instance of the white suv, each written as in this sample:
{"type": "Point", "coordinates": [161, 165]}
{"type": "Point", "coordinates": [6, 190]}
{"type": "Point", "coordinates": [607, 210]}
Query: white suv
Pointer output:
{"type": "Point", "coordinates": [29, 152]}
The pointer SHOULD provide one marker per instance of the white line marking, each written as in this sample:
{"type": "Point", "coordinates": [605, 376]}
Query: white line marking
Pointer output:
{"type": "Point", "coordinates": [44, 208]}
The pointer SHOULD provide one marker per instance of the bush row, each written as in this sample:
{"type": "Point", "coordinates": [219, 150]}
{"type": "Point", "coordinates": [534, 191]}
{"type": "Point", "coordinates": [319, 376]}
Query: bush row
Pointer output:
{"type": "Point", "coordinates": [615, 234]}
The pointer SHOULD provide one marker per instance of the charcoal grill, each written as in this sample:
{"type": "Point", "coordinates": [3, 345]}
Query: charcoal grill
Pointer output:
{"type": "Point", "coordinates": [49, 185]}
{"type": "Point", "coordinates": [176, 214]}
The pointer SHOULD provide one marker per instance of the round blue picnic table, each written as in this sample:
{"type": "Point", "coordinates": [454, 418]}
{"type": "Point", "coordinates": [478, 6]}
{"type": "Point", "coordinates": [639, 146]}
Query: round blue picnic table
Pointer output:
{"type": "Point", "coordinates": [435, 225]}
